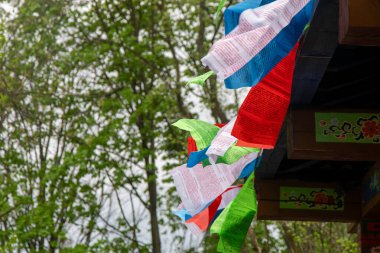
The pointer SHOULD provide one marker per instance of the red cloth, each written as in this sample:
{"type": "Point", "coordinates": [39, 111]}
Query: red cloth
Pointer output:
{"type": "Point", "coordinates": [191, 145]}
{"type": "Point", "coordinates": [263, 111]}
{"type": "Point", "coordinates": [205, 217]}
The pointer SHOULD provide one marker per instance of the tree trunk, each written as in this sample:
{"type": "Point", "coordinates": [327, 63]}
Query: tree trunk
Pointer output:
{"type": "Point", "coordinates": [254, 241]}
{"type": "Point", "coordinates": [288, 237]}
{"type": "Point", "coordinates": [152, 189]}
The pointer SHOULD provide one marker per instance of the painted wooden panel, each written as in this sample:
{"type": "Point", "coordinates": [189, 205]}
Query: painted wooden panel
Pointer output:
{"type": "Point", "coordinates": [311, 198]}
{"type": "Point", "coordinates": [307, 201]}
{"type": "Point", "coordinates": [347, 127]}
{"type": "Point", "coordinates": [333, 135]}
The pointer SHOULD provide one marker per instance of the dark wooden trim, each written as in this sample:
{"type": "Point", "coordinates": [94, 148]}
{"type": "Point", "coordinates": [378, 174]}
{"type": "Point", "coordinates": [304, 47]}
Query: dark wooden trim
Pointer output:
{"type": "Point", "coordinates": [359, 22]}
{"type": "Point", "coordinates": [352, 228]}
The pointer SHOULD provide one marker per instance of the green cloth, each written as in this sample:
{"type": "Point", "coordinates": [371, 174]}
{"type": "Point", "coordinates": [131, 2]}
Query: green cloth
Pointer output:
{"type": "Point", "coordinates": [200, 80]}
{"type": "Point", "coordinates": [203, 134]}
{"type": "Point", "coordinates": [232, 155]}
{"type": "Point", "coordinates": [233, 223]}
{"type": "Point", "coordinates": [220, 7]}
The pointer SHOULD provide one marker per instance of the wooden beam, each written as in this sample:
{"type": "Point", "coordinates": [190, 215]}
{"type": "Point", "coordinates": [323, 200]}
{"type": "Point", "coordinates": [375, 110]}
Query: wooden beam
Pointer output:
{"type": "Point", "coordinates": [307, 201]}
{"type": "Point", "coordinates": [340, 135]}
{"type": "Point", "coordinates": [359, 22]}
{"type": "Point", "coordinates": [316, 51]}
{"type": "Point", "coordinates": [352, 228]}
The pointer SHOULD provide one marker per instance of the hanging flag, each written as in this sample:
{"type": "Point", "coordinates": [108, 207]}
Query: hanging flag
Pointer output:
{"type": "Point", "coordinates": [233, 223]}
{"type": "Point", "coordinates": [263, 37]}
{"type": "Point", "coordinates": [201, 221]}
{"type": "Point", "coordinates": [200, 80]}
{"type": "Point", "coordinates": [192, 146]}
{"type": "Point", "coordinates": [219, 9]}
{"type": "Point", "coordinates": [264, 109]}
{"type": "Point", "coordinates": [232, 155]}
{"type": "Point", "coordinates": [248, 170]}
{"type": "Point", "coordinates": [222, 142]}
{"type": "Point", "coordinates": [202, 132]}
{"type": "Point", "coordinates": [200, 185]}
{"type": "Point", "coordinates": [232, 13]}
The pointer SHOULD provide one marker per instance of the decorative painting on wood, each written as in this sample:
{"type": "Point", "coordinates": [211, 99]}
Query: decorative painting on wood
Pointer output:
{"type": "Point", "coordinates": [347, 127]}
{"type": "Point", "coordinates": [311, 198]}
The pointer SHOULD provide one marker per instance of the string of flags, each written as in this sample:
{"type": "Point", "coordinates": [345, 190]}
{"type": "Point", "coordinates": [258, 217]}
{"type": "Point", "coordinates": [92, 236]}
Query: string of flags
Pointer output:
{"type": "Point", "coordinates": [258, 51]}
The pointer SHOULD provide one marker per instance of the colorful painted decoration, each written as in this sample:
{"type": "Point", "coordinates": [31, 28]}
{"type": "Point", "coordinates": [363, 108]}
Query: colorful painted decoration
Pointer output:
{"type": "Point", "coordinates": [347, 127]}
{"type": "Point", "coordinates": [311, 198]}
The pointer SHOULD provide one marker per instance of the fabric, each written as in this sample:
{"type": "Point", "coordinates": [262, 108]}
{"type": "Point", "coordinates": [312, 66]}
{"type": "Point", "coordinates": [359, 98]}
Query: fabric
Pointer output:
{"type": "Point", "coordinates": [219, 9]}
{"type": "Point", "coordinates": [264, 109]}
{"type": "Point", "coordinates": [269, 56]}
{"type": "Point", "coordinates": [232, 14]}
{"type": "Point", "coordinates": [233, 223]}
{"type": "Point", "coordinates": [263, 37]}
{"type": "Point", "coordinates": [191, 145]}
{"type": "Point", "coordinates": [232, 155]}
{"type": "Point", "coordinates": [202, 132]}
{"type": "Point", "coordinates": [206, 134]}
{"type": "Point", "coordinates": [196, 157]}
{"type": "Point", "coordinates": [200, 80]}
{"type": "Point", "coordinates": [200, 185]}
{"type": "Point", "coordinates": [201, 221]}
{"type": "Point", "coordinates": [222, 142]}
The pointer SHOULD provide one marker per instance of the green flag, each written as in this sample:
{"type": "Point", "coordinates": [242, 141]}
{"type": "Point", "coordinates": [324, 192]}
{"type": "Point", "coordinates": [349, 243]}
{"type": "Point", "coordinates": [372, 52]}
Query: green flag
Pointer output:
{"type": "Point", "coordinates": [233, 223]}
{"type": "Point", "coordinates": [219, 10]}
{"type": "Point", "coordinates": [200, 80]}
{"type": "Point", "coordinates": [202, 132]}
{"type": "Point", "coordinates": [233, 154]}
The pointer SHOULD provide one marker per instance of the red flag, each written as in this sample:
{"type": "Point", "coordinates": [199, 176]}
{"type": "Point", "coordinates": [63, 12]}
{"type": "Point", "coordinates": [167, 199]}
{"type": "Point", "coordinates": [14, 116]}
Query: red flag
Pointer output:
{"type": "Point", "coordinates": [263, 111]}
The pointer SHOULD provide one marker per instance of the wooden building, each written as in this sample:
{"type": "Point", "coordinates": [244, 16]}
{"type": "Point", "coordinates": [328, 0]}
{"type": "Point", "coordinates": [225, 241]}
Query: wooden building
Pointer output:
{"type": "Point", "coordinates": [326, 163]}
